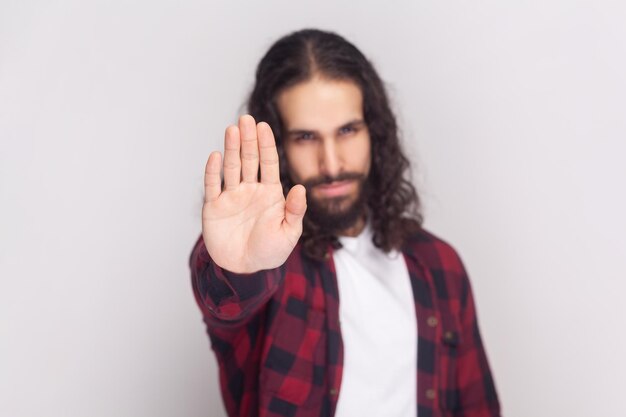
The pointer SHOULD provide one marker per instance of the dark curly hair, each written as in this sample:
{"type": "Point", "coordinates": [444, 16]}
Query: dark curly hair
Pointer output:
{"type": "Point", "coordinates": [393, 204]}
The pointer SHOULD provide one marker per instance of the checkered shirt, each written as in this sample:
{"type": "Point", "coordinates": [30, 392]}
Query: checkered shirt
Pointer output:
{"type": "Point", "coordinates": [277, 336]}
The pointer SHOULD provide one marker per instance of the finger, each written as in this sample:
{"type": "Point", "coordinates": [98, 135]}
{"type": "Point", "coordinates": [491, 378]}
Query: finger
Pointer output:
{"type": "Point", "coordinates": [268, 154]}
{"type": "Point", "coordinates": [212, 180]}
{"type": "Point", "coordinates": [249, 149]}
{"type": "Point", "coordinates": [232, 160]}
{"type": "Point", "coordinates": [295, 207]}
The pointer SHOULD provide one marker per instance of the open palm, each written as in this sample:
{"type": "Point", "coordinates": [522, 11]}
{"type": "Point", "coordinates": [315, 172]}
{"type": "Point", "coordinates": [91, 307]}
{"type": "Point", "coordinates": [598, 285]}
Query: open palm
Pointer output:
{"type": "Point", "coordinates": [248, 225]}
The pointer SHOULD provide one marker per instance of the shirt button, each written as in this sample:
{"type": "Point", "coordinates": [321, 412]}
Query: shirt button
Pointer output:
{"type": "Point", "coordinates": [431, 394]}
{"type": "Point", "coordinates": [334, 391]}
{"type": "Point", "coordinates": [432, 321]}
{"type": "Point", "coordinates": [448, 336]}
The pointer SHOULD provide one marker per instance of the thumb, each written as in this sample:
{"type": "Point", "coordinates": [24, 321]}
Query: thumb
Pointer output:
{"type": "Point", "coordinates": [295, 207]}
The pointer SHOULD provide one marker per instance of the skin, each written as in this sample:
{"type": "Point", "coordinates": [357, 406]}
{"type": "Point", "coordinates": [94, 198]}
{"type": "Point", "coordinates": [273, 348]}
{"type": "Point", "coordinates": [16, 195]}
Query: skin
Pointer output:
{"type": "Point", "coordinates": [248, 225]}
{"type": "Point", "coordinates": [326, 136]}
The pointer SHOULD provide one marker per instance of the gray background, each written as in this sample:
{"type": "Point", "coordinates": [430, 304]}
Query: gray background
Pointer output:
{"type": "Point", "coordinates": [513, 113]}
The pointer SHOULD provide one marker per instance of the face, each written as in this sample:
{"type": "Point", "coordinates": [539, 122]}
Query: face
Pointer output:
{"type": "Point", "coordinates": [327, 146]}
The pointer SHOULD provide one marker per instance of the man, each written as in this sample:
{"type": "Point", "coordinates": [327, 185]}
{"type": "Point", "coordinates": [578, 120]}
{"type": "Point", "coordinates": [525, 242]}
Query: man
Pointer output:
{"type": "Point", "coordinates": [330, 216]}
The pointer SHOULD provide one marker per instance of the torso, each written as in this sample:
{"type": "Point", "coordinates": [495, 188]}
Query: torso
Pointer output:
{"type": "Point", "coordinates": [379, 330]}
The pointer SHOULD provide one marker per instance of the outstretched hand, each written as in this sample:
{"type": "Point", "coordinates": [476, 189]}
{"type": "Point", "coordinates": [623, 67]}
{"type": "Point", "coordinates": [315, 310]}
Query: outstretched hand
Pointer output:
{"type": "Point", "coordinates": [248, 225]}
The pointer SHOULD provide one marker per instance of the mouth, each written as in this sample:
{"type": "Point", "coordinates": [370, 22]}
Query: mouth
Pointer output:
{"type": "Point", "coordinates": [335, 188]}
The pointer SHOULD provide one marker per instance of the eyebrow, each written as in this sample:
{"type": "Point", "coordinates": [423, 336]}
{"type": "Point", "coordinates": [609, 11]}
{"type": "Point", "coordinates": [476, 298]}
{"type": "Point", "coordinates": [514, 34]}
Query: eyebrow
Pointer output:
{"type": "Point", "coordinates": [353, 123]}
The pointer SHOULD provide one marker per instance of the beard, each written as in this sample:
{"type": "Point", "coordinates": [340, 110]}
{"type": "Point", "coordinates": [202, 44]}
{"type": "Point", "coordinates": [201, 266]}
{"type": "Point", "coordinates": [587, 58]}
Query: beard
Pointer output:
{"type": "Point", "coordinates": [334, 214]}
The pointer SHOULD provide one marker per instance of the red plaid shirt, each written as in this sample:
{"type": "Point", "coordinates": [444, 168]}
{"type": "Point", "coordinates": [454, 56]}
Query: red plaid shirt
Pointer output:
{"type": "Point", "coordinates": [277, 337]}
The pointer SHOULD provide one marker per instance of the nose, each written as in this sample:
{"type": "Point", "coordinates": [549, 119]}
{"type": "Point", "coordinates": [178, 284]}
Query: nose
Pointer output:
{"type": "Point", "coordinates": [330, 162]}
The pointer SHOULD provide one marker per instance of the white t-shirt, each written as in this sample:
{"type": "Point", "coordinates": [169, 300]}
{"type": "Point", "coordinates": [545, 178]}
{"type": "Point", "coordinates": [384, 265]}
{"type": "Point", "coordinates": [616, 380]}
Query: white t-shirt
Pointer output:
{"type": "Point", "coordinates": [379, 331]}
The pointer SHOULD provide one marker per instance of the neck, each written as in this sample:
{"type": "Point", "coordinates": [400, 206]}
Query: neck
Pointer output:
{"type": "Point", "coordinates": [355, 229]}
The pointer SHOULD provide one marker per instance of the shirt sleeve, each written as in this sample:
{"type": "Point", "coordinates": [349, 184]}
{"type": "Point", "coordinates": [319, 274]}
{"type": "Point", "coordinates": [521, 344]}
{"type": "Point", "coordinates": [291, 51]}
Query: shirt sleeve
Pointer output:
{"type": "Point", "coordinates": [476, 388]}
{"type": "Point", "coordinates": [232, 306]}
{"type": "Point", "coordinates": [228, 299]}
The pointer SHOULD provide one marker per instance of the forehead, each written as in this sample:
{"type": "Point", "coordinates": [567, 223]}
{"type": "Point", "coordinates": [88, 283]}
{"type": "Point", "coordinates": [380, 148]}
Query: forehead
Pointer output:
{"type": "Point", "coordinates": [320, 104]}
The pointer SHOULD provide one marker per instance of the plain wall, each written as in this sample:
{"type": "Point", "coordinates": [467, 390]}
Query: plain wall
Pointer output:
{"type": "Point", "coordinates": [514, 116]}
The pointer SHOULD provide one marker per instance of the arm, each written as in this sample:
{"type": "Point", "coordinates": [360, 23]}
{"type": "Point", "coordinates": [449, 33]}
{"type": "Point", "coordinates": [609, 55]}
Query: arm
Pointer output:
{"type": "Point", "coordinates": [477, 393]}
{"type": "Point", "coordinates": [228, 299]}
{"type": "Point", "coordinates": [249, 228]}
{"type": "Point", "coordinates": [232, 306]}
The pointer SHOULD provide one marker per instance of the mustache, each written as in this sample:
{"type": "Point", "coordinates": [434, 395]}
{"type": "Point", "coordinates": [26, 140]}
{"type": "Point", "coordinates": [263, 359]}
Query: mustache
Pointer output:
{"type": "Point", "coordinates": [326, 179]}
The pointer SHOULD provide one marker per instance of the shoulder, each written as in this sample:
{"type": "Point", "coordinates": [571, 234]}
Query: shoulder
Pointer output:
{"type": "Point", "coordinates": [434, 252]}
{"type": "Point", "coordinates": [444, 265]}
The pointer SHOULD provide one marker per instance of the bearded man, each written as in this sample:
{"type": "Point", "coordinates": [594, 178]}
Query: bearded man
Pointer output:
{"type": "Point", "coordinates": [322, 293]}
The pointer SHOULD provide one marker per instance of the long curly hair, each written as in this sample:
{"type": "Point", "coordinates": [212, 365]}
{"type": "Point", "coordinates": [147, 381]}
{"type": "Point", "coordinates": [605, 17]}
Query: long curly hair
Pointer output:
{"type": "Point", "coordinates": [393, 205]}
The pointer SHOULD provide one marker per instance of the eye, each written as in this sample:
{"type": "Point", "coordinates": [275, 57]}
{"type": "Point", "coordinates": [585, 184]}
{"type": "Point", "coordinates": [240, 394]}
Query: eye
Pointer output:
{"type": "Point", "coordinates": [346, 130]}
{"type": "Point", "coordinates": [304, 136]}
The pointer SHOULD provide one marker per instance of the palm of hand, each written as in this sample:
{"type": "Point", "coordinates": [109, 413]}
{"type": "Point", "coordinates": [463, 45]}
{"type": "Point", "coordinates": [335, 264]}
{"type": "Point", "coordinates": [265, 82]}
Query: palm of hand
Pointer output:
{"type": "Point", "coordinates": [249, 225]}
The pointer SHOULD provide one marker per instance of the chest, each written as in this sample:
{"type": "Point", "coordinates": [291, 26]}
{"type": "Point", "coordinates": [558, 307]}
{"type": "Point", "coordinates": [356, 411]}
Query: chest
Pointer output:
{"type": "Point", "coordinates": [304, 352]}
